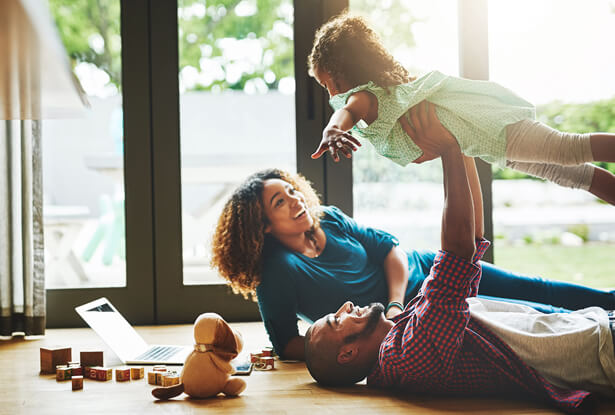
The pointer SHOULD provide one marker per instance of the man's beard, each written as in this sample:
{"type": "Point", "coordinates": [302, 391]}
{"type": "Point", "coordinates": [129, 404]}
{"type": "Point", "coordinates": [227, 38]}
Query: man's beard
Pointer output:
{"type": "Point", "coordinates": [374, 311]}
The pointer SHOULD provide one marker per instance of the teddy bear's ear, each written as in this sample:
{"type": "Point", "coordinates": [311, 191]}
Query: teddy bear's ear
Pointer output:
{"type": "Point", "coordinates": [227, 342]}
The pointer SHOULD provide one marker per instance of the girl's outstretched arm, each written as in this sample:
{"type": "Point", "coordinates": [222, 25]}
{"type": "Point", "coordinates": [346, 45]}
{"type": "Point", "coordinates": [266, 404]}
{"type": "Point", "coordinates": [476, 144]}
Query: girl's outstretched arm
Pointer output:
{"type": "Point", "coordinates": [335, 136]}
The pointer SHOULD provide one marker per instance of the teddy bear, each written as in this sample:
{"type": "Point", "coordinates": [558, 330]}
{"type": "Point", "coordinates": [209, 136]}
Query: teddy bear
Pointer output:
{"type": "Point", "coordinates": [207, 369]}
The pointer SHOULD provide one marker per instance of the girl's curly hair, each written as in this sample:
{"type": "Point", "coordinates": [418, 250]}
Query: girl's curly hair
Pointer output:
{"type": "Point", "coordinates": [347, 48]}
{"type": "Point", "coordinates": [237, 245]}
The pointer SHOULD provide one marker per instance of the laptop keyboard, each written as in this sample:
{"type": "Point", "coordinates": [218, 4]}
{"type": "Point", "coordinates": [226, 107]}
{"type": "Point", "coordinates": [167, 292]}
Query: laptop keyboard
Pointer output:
{"type": "Point", "coordinates": [159, 353]}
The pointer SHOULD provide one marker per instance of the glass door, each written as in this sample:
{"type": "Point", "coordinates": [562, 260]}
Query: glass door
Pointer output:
{"type": "Point", "coordinates": [97, 218]}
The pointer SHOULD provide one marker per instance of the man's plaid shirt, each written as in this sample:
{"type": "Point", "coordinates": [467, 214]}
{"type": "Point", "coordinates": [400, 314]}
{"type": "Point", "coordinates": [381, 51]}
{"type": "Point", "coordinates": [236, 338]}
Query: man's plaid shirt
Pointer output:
{"type": "Point", "coordinates": [435, 346]}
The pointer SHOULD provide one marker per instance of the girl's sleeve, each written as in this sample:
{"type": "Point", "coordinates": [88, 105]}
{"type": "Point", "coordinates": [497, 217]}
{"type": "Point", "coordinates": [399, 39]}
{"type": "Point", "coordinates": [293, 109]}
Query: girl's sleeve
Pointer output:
{"type": "Point", "coordinates": [277, 302]}
{"type": "Point", "coordinates": [377, 243]}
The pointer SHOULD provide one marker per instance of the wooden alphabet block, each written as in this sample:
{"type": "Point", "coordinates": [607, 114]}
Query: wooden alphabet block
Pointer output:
{"type": "Point", "coordinates": [137, 373]}
{"type": "Point", "coordinates": [92, 358]}
{"type": "Point", "coordinates": [77, 383]}
{"type": "Point", "coordinates": [122, 374]}
{"type": "Point", "coordinates": [54, 356]}
{"type": "Point", "coordinates": [104, 373]}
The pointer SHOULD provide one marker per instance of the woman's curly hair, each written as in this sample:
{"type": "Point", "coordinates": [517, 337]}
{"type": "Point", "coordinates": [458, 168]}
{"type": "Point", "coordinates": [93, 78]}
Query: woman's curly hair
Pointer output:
{"type": "Point", "coordinates": [238, 240]}
{"type": "Point", "coordinates": [347, 48]}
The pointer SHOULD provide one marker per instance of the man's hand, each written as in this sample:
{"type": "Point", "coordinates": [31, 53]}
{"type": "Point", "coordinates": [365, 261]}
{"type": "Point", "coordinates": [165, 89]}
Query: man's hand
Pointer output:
{"type": "Point", "coordinates": [335, 140]}
{"type": "Point", "coordinates": [427, 132]}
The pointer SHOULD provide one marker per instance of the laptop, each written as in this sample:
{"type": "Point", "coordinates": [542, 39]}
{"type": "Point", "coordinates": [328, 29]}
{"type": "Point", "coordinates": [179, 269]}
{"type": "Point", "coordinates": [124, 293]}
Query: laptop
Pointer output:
{"type": "Point", "coordinates": [124, 340]}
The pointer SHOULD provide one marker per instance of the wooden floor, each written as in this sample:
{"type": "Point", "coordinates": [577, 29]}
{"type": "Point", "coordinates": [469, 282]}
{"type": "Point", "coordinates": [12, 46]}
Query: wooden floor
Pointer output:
{"type": "Point", "coordinates": [287, 390]}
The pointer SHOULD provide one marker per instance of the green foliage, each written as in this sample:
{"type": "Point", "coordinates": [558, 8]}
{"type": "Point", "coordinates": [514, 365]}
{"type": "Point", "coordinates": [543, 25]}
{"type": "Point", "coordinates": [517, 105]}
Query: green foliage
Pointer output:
{"type": "Point", "coordinates": [581, 118]}
{"type": "Point", "coordinates": [544, 237]}
{"type": "Point", "coordinates": [591, 117]}
{"type": "Point", "coordinates": [205, 27]}
{"type": "Point", "coordinates": [392, 20]}
{"type": "Point", "coordinates": [90, 31]}
{"type": "Point", "coordinates": [581, 230]}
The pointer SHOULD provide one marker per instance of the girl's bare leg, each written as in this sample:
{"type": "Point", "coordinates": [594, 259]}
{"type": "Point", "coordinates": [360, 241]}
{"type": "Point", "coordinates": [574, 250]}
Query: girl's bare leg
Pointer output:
{"type": "Point", "coordinates": [603, 185]}
{"type": "Point", "coordinates": [597, 181]}
{"type": "Point", "coordinates": [603, 146]}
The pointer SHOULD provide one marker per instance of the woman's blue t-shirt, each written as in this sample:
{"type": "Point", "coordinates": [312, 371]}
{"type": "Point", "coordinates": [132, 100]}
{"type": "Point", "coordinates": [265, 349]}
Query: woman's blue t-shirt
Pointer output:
{"type": "Point", "coordinates": [350, 268]}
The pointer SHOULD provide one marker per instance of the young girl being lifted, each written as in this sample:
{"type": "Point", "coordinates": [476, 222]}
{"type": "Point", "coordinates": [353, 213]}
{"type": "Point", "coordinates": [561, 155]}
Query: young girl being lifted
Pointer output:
{"type": "Point", "coordinates": [372, 92]}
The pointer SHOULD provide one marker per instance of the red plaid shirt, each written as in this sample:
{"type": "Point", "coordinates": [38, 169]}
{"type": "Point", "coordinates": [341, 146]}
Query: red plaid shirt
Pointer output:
{"type": "Point", "coordinates": [435, 346]}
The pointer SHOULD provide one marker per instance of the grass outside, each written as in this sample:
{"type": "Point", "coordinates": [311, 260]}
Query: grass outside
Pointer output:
{"type": "Point", "coordinates": [592, 264]}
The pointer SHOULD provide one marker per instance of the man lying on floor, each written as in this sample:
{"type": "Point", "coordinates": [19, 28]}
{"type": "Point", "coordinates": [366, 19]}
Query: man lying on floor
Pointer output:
{"type": "Point", "coordinates": [448, 342]}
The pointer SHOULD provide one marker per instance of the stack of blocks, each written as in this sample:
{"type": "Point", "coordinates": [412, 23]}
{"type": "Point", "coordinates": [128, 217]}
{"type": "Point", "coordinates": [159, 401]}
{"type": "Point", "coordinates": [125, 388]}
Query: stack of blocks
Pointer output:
{"type": "Point", "coordinates": [58, 360]}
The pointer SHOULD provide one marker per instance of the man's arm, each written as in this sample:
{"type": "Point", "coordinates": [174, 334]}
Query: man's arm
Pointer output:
{"type": "Point", "coordinates": [458, 215]}
{"type": "Point", "coordinates": [432, 137]}
{"type": "Point", "coordinates": [477, 196]}
{"type": "Point", "coordinates": [441, 309]}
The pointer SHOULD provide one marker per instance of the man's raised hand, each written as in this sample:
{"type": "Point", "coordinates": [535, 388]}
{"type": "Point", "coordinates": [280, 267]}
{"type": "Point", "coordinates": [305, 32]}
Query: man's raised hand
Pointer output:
{"type": "Point", "coordinates": [427, 132]}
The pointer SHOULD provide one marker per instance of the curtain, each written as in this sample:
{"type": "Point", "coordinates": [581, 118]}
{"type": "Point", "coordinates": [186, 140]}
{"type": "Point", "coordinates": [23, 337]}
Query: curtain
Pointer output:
{"type": "Point", "coordinates": [36, 82]}
{"type": "Point", "coordinates": [22, 282]}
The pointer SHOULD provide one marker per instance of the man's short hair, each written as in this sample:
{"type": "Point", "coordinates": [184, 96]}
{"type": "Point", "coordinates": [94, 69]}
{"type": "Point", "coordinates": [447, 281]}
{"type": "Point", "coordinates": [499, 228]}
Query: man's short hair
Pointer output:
{"type": "Point", "coordinates": [321, 361]}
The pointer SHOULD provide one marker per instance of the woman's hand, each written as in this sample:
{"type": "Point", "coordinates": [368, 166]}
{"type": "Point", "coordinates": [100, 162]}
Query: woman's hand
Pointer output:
{"type": "Point", "coordinates": [335, 140]}
{"type": "Point", "coordinates": [393, 311]}
{"type": "Point", "coordinates": [427, 132]}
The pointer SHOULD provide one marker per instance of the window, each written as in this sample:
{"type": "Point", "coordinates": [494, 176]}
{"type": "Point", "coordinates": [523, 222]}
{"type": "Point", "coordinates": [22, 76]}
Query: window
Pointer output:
{"type": "Point", "coordinates": [551, 53]}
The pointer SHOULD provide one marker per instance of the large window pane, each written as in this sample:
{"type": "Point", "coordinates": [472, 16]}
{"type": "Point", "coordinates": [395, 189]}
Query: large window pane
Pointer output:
{"type": "Point", "coordinates": [236, 109]}
{"type": "Point", "coordinates": [552, 52]}
{"type": "Point", "coordinates": [82, 158]}
{"type": "Point", "coordinates": [406, 201]}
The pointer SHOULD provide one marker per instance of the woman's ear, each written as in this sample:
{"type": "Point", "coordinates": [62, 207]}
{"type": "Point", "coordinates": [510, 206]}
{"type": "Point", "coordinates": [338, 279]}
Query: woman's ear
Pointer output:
{"type": "Point", "coordinates": [267, 228]}
{"type": "Point", "coordinates": [347, 354]}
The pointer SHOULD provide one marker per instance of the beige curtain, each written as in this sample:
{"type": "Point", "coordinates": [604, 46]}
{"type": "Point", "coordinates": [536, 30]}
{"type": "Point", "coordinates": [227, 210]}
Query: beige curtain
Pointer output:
{"type": "Point", "coordinates": [22, 282]}
{"type": "Point", "coordinates": [35, 83]}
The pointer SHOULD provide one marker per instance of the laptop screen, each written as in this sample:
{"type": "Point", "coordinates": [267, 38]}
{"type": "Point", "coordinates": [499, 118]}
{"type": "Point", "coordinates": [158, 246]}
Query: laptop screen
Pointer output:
{"type": "Point", "coordinates": [113, 328]}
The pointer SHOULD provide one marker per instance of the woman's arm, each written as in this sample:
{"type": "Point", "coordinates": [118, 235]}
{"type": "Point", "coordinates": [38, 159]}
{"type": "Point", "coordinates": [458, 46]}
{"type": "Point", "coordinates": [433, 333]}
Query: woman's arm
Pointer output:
{"type": "Point", "coordinates": [294, 349]}
{"type": "Point", "coordinates": [396, 272]}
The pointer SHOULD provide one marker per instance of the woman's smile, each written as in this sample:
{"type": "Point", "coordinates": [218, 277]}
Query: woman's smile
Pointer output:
{"type": "Point", "coordinates": [300, 215]}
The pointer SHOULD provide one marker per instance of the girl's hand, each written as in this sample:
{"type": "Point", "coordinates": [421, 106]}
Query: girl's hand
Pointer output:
{"type": "Point", "coordinates": [427, 132]}
{"type": "Point", "coordinates": [335, 140]}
